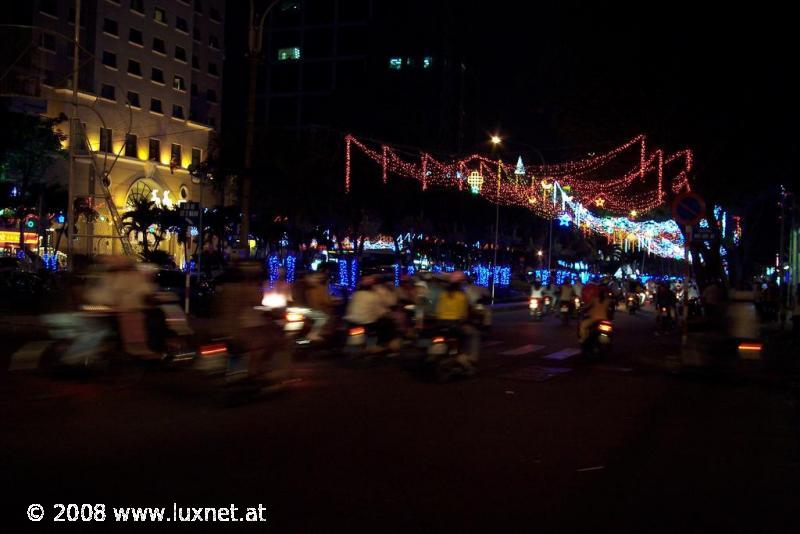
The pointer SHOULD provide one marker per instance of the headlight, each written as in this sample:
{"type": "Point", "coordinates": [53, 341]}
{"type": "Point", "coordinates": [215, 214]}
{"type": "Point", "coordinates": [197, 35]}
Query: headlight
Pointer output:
{"type": "Point", "coordinates": [273, 300]}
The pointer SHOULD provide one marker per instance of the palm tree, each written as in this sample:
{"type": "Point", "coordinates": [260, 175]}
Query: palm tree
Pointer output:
{"type": "Point", "coordinates": [142, 219]}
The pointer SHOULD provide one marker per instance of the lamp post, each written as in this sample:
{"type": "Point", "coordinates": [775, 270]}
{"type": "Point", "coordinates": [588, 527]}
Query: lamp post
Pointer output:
{"type": "Point", "coordinates": [496, 140]}
{"type": "Point", "coordinates": [255, 39]}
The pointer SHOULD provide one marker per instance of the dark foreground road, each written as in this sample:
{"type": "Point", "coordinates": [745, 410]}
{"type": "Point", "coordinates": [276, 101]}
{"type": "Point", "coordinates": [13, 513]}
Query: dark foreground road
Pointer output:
{"type": "Point", "coordinates": [537, 442]}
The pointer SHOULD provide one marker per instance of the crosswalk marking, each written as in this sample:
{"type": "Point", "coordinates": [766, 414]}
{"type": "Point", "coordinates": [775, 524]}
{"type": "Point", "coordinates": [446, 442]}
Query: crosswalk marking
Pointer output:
{"type": "Point", "coordinates": [562, 354]}
{"type": "Point", "coordinates": [524, 349]}
{"type": "Point", "coordinates": [27, 356]}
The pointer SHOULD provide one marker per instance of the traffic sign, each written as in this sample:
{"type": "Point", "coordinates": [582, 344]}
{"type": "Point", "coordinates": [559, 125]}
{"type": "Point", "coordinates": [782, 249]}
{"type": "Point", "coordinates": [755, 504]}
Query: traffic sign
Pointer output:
{"type": "Point", "coordinates": [688, 208]}
{"type": "Point", "coordinates": [189, 211]}
{"type": "Point", "coordinates": [702, 235]}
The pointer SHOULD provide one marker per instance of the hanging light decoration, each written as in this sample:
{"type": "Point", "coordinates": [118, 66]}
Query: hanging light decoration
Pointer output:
{"type": "Point", "coordinates": [475, 181]}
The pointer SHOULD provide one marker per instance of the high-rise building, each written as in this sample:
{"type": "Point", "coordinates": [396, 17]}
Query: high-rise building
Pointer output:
{"type": "Point", "coordinates": [150, 88]}
{"type": "Point", "coordinates": [393, 70]}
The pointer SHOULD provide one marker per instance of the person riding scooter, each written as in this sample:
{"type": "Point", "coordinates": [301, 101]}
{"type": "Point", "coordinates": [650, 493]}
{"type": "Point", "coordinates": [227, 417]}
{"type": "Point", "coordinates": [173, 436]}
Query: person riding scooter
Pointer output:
{"type": "Point", "coordinates": [597, 311]}
{"type": "Point", "coordinates": [452, 311]}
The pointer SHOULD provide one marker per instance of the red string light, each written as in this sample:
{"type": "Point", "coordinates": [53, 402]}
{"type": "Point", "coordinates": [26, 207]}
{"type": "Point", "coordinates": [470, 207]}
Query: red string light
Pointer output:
{"type": "Point", "coordinates": [593, 181]}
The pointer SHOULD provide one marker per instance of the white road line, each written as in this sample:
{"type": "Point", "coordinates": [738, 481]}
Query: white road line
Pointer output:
{"type": "Point", "coordinates": [27, 356]}
{"type": "Point", "coordinates": [520, 351]}
{"type": "Point", "coordinates": [562, 354]}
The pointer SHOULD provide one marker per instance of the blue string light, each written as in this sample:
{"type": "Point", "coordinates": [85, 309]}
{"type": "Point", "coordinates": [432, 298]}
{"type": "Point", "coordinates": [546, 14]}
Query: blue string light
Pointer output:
{"type": "Point", "coordinates": [353, 274]}
{"type": "Point", "coordinates": [396, 267]}
{"type": "Point", "coordinates": [344, 274]}
{"type": "Point", "coordinates": [290, 268]}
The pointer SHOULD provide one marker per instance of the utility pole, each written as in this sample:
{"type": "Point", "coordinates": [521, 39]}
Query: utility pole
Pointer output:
{"type": "Point", "coordinates": [255, 39]}
{"type": "Point", "coordinates": [74, 132]}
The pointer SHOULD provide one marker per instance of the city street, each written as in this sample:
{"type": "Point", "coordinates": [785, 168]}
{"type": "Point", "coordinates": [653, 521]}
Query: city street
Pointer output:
{"type": "Point", "coordinates": [538, 438]}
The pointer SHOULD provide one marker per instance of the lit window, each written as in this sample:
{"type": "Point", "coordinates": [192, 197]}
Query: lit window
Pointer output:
{"type": "Point", "coordinates": [133, 99]}
{"type": "Point", "coordinates": [108, 92]}
{"type": "Point", "coordinates": [175, 155]}
{"type": "Point", "coordinates": [157, 75]}
{"type": "Point", "coordinates": [177, 111]}
{"type": "Point", "coordinates": [111, 27]}
{"type": "Point", "coordinates": [178, 83]}
{"type": "Point", "coordinates": [426, 62]}
{"type": "Point", "coordinates": [105, 140]}
{"type": "Point", "coordinates": [155, 106]}
{"type": "Point", "coordinates": [395, 63]}
{"type": "Point", "coordinates": [287, 54]}
{"type": "Point", "coordinates": [160, 15]}
{"type": "Point", "coordinates": [109, 59]}
{"type": "Point", "coordinates": [131, 149]}
{"type": "Point", "coordinates": [154, 150]}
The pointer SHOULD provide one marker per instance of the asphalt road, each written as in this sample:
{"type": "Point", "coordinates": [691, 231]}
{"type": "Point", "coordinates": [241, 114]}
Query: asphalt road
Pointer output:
{"type": "Point", "coordinates": [537, 441]}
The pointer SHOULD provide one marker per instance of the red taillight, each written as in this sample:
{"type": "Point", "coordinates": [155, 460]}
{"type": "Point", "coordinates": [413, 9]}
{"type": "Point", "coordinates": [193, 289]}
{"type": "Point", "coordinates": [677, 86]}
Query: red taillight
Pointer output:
{"type": "Point", "coordinates": [438, 339]}
{"type": "Point", "coordinates": [213, 350]}
{"type": "Point", "coordinates": [357, 331]}
{"type": "Point", "coordinates": [605, 327]}
{"type": "Point", "coordinates": [547, 300]}
{"type": "Point", "coordinates": [750, 346]}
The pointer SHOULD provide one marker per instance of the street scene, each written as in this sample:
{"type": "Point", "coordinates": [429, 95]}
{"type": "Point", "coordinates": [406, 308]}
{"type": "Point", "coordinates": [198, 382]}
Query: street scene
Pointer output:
{"type": "Point", "coordinates": [424, 266]}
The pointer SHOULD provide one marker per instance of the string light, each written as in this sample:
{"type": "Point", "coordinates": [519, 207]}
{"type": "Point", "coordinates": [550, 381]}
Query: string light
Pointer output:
{"type": "Point", "coordinates": [593, 181]}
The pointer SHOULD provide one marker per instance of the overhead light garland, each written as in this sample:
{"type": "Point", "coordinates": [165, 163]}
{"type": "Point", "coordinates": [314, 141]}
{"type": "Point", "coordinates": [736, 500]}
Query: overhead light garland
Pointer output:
{"type": "Point", "coordinates": [554, 190]}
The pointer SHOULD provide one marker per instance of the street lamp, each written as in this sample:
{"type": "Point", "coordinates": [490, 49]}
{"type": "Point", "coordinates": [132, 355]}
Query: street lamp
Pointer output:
{"type": "Point", "coordinates": [496, 140]}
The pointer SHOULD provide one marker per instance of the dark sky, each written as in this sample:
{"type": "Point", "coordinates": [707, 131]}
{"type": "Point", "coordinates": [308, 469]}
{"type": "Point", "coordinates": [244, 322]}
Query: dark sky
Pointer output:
{"type": "Point", "coordinates": [717, 80]}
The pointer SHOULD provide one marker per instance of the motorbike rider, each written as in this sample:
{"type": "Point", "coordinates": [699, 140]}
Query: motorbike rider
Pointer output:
{"type": "Point", "coordinates": [577, 287]}
{"type": "Point", "coordinates": [366, 308]}
{"type": "Point", "coordinates": [567, 295]}
{"type": "Point", "coordinates": [318, 299]}
{"type": "Point", "coordinates": [666, 299]}
{"type": "Point", "coordinates": [452, 311]}
{"type": "Point", "coordinates": [597, 305]}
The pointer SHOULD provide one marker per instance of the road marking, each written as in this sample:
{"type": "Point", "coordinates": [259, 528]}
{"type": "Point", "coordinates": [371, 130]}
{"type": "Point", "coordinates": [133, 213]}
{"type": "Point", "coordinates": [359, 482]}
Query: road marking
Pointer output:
{"type": "Point", "coordinates": [520, 351]}
{"type": "Point", "coordinates": [562, 354]}
{"type": "Point", "coordinates": [28, 356]}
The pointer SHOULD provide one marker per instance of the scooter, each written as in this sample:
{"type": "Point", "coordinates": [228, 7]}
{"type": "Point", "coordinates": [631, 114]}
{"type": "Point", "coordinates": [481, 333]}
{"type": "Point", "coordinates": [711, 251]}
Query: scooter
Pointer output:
{"type": "Point", "coordinates": [664, 321]}
{"type": "Point", "coordinates": [564, 311]}
{"type": "Point", "coordinates": [598, 339]}
{"type": "Point", "coordinates": [632, 303]}
{"type": "Point", "coordinates": [445, 359]}
{"type": "Point", "coordinates": [536, 308]}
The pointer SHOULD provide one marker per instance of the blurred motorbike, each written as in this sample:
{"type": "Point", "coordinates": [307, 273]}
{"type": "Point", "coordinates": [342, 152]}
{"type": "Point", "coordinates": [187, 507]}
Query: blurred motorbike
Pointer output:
{"type": "Point", "coordinates": [598, 339]}
{"type": "Point", "coordinates": [445, 357]}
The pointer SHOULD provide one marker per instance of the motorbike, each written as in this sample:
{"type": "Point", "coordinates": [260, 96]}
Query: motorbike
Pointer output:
{"type": "Point", "coordinates": [577, 307]}
{"type": "Point", "coordinates": [91, 338]}
{"type": "Point", "coordinates": [632, 303]}
{"type": "Point", "coordinates": [598, 339]}
{"type": "Point", "coordinates": [548, 304]}
{"type": "Point", "coordinates": [564, 312]}
{"type": "Point", "coordinates": [536, 308]}
{"type": "Point", "coordinates": [665, 323]}
{"type": "Point", "coordinates": [445, 359]}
